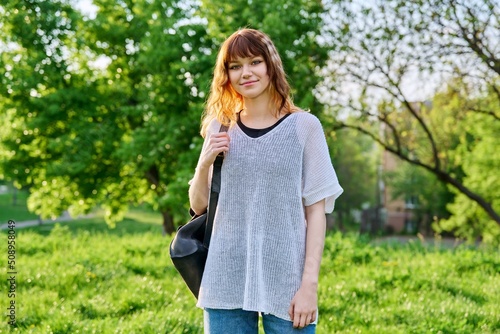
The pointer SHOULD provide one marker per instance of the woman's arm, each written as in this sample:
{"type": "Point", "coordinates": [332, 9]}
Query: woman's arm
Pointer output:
{"type": "Point", "coordinates": [305, 302]}
{"type": "Point", "coordinates": [199, 187]}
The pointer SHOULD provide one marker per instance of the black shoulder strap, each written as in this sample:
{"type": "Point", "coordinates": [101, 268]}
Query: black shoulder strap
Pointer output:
{"type": "Point", "coordinates": [214, 194]}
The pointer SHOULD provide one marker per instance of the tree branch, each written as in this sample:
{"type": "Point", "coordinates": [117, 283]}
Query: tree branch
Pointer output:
{"type": "Point", "coordinates": [486, 112]}
{"type": "Point", "coordinates": [442, 175]}
{"type": "Point", "coordinates": [414, 113]}
{"type": "Point", "coordinates": [475, 42]}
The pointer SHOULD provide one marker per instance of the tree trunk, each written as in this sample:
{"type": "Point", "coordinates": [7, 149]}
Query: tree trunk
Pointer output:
{"type": "Point", "coordinates": [14, 196]}
{"type": "Point", "coordinates": [375, 223]}
{"type": "Point", "coordinates": [485, 205]}
{"type": "Point", "coordinates": [168, 223]}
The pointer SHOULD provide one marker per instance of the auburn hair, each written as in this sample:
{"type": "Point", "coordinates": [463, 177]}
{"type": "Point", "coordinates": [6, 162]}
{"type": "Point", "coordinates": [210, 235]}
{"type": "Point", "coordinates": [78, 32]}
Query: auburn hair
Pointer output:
{"type": "Point", "coordinates": [224, 102]}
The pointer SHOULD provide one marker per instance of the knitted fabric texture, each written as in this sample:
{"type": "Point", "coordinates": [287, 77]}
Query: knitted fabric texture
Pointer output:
{"type": "Point", "coordinates": [257, 250]}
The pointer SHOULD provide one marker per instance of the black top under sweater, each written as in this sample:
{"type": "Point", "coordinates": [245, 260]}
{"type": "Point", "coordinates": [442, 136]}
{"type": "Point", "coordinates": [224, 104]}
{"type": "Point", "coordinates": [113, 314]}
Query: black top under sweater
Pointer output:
{"type": "Point", "coordinates": [255, 133]}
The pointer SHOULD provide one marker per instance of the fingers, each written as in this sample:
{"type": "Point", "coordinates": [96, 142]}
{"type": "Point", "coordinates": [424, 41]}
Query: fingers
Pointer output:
{"type": "Point", "coordinates": [313, 317]}
{"type": "Point", "coordinates": [217, 143]}
{"type": "Point", "coordinates": [299, 316]}
{"type": "Point", "coordinates": [301, 319]}
{"type": "Point", "coordinates": [291, 311]}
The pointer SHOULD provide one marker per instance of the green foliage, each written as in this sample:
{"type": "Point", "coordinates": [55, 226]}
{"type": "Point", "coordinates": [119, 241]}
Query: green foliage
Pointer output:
{"type": "Point", "coordinates": [353, 156]}
{"type": "Point", "coordinates": [105, 110]}
{"type": "Point", "coordinates": [62, 136]}
{"type": "Point", "coordinates": [466, 142]}
{"type": "Point", "coordinates": [82, 276]}
{"type": "Point", "coordinates": [413, 76]}
{"type": "Point", "coordinates": [480, 162]}
{"type": "Point", "coordinates": [467, 138]}
{"type": "Point", "coordinates": [431, 195]}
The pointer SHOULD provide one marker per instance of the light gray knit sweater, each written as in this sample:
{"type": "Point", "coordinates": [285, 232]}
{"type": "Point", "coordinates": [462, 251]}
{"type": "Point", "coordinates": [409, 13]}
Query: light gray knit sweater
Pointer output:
{"type": "Point", "coordinates": [257, 250]}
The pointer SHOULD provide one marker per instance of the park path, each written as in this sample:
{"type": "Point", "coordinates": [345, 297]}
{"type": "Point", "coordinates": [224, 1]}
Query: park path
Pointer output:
{"type": "Point", "coordinates": [65, 217]}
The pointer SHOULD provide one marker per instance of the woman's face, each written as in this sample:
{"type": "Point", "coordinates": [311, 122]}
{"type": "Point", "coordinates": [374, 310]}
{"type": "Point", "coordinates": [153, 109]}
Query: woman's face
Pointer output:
{"type": "Point", "coordinates": [248, 76]}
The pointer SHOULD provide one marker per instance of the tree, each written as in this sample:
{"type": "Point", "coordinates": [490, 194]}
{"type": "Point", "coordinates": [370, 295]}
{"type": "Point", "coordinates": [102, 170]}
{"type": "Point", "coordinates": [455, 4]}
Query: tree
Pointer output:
{"type": "Point", "coordinates": [382, 50]}
{"type": "Point", "coordinates": [157, 86]}
{"type": "Point", "coordinates": [82, 136]}
{"type": "Point", "coordinates": [105, 109]}
{"type": "Point", "coordinates": [477, 155]}
{"type": "Point", "coordinates": [355, 164]}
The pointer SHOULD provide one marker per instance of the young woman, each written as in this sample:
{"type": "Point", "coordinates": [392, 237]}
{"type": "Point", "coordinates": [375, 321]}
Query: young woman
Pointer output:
{"type": "Point", "coordinates": [277, 183]}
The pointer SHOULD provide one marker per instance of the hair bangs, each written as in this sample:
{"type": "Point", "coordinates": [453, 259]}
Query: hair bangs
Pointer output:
{"type": "Point", "coordinates": [243, 46]}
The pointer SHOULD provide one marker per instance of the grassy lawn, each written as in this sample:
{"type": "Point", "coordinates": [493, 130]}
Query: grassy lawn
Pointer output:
{"type": "Point", "coordinates": [18, 212]}
{"type": "Point", "coordinates": [82, 277]}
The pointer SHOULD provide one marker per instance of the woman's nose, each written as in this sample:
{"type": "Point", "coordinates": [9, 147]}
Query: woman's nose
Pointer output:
{"type": "Point", "coordinates": [246, 71]}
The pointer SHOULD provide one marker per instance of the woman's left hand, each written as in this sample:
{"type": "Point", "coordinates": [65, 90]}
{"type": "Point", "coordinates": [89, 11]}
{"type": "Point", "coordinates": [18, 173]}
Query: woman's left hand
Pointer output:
{"type": "Point", "coordinates": [303, 308]}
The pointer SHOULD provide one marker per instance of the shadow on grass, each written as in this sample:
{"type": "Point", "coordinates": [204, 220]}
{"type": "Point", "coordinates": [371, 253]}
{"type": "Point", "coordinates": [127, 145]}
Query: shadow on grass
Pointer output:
{"type": "Point", "coordinates": [137, 221]}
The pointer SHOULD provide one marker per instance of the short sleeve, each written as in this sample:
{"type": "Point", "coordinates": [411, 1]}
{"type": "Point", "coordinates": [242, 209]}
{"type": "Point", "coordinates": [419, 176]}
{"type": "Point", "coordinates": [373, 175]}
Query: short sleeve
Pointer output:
{"type": "Point", "coordinates": [213, 127]}
{"type": "Point", "coordinates": [319, 180]}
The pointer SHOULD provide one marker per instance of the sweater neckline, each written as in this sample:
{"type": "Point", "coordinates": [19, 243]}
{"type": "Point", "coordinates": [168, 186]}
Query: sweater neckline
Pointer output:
{"type": "Point", "coordinates": [270, 130]}
{"type": "Point", "coordinates": [256, 132]}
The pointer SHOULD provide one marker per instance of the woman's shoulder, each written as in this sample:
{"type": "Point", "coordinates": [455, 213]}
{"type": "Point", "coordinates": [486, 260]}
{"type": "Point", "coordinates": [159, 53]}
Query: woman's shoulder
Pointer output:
{"type": "Point", "coordinates": [212, 127]}
{"type": "Point", "coordinates": [306, 120]}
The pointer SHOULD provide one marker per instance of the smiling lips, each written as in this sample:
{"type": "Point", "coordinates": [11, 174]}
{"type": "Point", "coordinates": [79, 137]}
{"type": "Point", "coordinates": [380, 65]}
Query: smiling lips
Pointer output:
{"type": "Point", "coordinates": [248, 83]}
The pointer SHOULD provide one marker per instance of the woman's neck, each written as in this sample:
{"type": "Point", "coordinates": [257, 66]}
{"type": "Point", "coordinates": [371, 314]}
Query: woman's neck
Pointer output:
{"type": "Point", "coordinates": [258, 114]}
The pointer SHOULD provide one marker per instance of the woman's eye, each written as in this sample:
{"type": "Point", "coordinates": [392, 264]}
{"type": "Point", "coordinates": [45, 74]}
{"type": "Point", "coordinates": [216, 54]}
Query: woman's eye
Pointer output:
{"type": "Point", "coordinates": [234, 67]}
{"type": "Point", "coordinates": [256, 62]}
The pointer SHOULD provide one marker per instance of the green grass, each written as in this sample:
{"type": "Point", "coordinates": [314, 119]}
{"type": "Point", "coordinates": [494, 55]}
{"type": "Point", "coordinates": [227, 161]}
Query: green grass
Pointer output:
{"type": "Point", "coordinates": [82, 277]}
{"type": "Point", "coordinates": [18, 212]}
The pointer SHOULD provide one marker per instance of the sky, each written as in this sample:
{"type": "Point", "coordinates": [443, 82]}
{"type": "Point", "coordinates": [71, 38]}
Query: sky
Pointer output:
{"type": "Point", "coordinates": [86, 7]}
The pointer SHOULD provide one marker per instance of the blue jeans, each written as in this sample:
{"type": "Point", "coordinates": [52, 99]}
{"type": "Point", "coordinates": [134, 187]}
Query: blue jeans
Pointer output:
{"type": "Point", "coordinates": [238, 321]}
